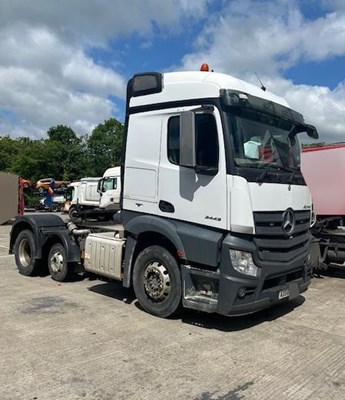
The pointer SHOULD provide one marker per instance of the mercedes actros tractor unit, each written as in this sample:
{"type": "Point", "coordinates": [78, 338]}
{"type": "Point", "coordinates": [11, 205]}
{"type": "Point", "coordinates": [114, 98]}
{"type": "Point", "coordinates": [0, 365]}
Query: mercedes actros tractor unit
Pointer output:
{"type": "Point", "coordinates": [215, 213]}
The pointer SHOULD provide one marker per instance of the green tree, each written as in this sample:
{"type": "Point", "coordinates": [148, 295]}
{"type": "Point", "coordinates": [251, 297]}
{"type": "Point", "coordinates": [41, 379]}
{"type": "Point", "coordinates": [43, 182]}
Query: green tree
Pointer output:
{"type": "Point", "coordinates": [39, 159]}
{"type": "Point", "coordinates": [105, 146]}
{"type": "Point", "coordinates": [63, 134]}
{"type": "Point", "coordinates": [70, 152]}
{"type": "Point", "coordinates": [9, 148]}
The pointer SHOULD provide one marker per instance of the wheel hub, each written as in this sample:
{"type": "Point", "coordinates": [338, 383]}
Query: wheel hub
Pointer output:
{"type": "Point", "coordinates": [56, 262]}
{"type": "Point", "coordinates": [24, 252]}
{"type": "Point", "coordinates": [156, 281]}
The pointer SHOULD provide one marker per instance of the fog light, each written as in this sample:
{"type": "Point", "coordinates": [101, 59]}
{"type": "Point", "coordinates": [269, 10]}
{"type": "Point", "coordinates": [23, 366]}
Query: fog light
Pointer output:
{"type": "Point", "coordinates": [241, 292]}
{"type": "Point", "coordinates": [243, 263]}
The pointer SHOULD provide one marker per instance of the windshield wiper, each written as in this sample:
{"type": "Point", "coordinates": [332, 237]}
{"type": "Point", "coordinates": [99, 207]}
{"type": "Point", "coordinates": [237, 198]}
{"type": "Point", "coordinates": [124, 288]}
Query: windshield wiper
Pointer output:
{"type": "Point", "coordinates": [276, 167]}
{"type": "Point", "coordinates": [292, 176]}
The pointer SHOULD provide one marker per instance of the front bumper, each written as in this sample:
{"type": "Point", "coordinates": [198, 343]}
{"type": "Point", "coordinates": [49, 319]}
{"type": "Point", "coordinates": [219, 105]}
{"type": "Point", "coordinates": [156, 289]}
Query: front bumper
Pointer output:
{"type": "Point", "coordinates": [218, 291]}
{"type": "Point", "coordinates": [226, 300]}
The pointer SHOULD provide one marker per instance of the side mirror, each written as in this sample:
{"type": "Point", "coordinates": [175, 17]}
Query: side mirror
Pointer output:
{"type": "Point", "coordinates": [99, 186]}
{"type": "Point", "coordinates": [187, 139]}
{"type": "Point", "coordinates": [297, 128]}
{"type": "Point", "coordinates": [311, 131]}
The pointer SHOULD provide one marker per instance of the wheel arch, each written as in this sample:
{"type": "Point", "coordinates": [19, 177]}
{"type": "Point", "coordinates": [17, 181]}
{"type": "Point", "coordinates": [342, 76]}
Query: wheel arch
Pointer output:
{"type": "Point", "coordinates": [16, 229]}
{"type": "Point", "coordinates": [46, 229]}
{"type": "Point", "coordinates": [152, 238]}
{"type": "Point", "coordinates": [145, 226]}
{"type": "Point", "coordinates": [147, 230]}
{"type": "Point", "coordinates": [62, 237]}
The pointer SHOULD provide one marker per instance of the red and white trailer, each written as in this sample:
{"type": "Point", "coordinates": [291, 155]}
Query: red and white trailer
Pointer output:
{"type": "Point", "coordinates": [323, 169]}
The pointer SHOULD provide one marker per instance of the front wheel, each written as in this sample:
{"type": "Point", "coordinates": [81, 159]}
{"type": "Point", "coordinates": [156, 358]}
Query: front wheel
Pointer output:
{"type": "Point", "coordinates": [25, 250]}
{"type": "Point", "coordinates": [157, 281]}
{"type": "Point", "coordinates": [57, 263]}
{"type": "Point", "coordinates": [74, 215]}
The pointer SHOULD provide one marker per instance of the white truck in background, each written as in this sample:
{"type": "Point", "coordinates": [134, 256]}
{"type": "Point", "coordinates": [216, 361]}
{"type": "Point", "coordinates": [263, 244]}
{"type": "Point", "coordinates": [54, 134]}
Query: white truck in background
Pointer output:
{"type": "Point", "coordinates": [95, 198]}
{"type": "Point", "coordinates": [71, 195]}
{"type": "Point", "coordinates": [215, 213]}
{"type": "Point", "coordinates": [109, 188]}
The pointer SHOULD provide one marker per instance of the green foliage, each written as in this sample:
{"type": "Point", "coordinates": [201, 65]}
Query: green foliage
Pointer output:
{"type": "Point", "coordinates": [30, 198]}
{"type": "Point", "coordinates": [63, 134]}
{"type": "Point", "coordinates": [9, 148]}
{"type": "Point", "coordinates": [316, 144]}
{"type": "Point", "coordinates": [63, 155]}
{"type": "Point", "coordinates": [69, 152]}
{"type": "Point", "coordinates": [105, 146]}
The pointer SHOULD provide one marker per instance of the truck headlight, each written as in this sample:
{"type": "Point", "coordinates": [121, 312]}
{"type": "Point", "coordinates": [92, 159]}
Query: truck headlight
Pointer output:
{"type": "Point", "coordinates": [243, 262]}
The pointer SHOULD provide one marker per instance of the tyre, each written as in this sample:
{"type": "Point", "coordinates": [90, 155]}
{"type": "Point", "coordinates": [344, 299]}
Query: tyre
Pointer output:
{"type": "Point", "coordinates": [57, 264]}
{"type": "Point", "coordinates": [74, 215]}
{"type": "Point", "coordinates": [157, 281]}
{"type": "Point", "coordinates": [24, 251]}
{"type": "Point", "coordinates": [54, 208]}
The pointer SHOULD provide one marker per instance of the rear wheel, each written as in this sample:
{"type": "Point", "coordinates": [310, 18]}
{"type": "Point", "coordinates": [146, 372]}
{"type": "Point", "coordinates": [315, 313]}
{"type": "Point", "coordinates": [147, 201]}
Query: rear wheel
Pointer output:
{"type": "Point", "coordinates": [57, 263]}
{"type": "Point", "coordinates": [157, 281]}
{"type": "Point", "coordinates": [54, 207]}
{"type": "Point", "coordinates": [25, 250]}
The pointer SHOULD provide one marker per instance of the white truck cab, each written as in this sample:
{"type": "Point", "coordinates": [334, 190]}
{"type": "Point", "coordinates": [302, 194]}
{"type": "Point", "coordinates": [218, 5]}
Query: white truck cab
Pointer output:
{"type": "Point", "coordinates": [214, 210]}
{"type": "Point", "coordinates": [83, 197]}
{"type": "Point", "coordinates": [109, 188]}
{"type": "Point", "coordinates": [212, 165]}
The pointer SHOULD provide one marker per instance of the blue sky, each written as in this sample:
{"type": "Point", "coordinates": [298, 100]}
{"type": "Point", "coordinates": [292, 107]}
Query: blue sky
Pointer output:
{"type": "Point", "coordinates": [67, 62]}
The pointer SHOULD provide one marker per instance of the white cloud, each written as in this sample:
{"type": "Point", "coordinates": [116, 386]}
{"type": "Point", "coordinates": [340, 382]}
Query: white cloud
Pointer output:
{"type": "Point", "coordinates": [47, 76]}
{"type": "Point", "coordinates": [45, 81]}
{"type": "Point", "coordinates": [96, 21]}
{"type": "Point", "coordinates": [268, 38]}
{"type": "Point", "coordinates": [321, 106]}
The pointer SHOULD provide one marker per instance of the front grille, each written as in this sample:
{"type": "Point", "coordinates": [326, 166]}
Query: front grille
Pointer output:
{"type": "Point", "coordinates": [273, 243]}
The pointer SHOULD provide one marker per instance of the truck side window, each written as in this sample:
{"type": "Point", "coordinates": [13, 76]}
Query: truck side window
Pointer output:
{"type": "Point", "coordinates": [174, 140]}
{"type": "Point", "coordinates": [206, 140]}
{"type": "Point", "coordinates": [109, 184]}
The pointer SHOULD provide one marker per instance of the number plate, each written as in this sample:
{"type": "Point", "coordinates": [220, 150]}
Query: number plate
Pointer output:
{"type": "Point", "coordinates": [283, 293]}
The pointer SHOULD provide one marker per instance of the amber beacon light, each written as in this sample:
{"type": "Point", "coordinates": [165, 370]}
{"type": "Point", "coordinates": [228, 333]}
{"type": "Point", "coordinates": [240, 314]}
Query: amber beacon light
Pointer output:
{"type": "Point", "coordinates": [204, 67]}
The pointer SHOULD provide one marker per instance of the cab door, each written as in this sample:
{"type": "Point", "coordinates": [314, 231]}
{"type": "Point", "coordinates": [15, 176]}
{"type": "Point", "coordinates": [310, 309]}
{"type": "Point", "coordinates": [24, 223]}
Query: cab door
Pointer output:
{"type": "Point", "coordinates": [110, 192]}
{"type": "Point", "coordinates": [197, 195]}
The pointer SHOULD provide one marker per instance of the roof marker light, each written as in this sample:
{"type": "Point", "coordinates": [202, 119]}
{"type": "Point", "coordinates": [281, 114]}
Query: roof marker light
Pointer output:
{"type": "Point", "coordinates": [204, 67]}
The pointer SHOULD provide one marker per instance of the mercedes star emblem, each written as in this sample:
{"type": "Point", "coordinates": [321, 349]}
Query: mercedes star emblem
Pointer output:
{"type": "Point", "coordinates": [288, 224]}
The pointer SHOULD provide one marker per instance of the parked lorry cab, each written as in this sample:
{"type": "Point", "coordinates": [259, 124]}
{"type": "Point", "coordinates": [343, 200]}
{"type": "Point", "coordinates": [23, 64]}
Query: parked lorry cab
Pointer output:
{"type": "Point", "coordinates": [71, 195]}
{"type": "Point", "coordinates": [215, 213]}
{"type": "Point", "coordinates": [96, 198]}
{"type": "Point", "coordinates": [109, 188]}
{"type": "Point", "coordinates": [323, 169]}
{"type": "Point", "coordinates": [84, 198]}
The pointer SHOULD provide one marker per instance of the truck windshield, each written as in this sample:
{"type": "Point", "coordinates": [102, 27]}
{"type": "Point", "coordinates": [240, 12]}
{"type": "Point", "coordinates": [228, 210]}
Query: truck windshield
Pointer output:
{"type": "Point", "coordinates": [260, 140]}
